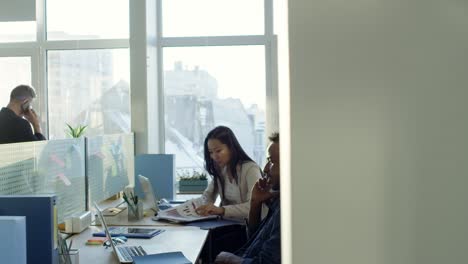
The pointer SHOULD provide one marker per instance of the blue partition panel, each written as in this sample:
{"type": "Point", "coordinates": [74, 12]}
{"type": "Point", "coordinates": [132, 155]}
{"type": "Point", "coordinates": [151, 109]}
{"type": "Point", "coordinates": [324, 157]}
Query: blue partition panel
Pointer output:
{"type": "Point", "coordinates": [41, 224]}
{"type": "Point", "coordinates": [13, 249]}
{"type": "Point", "coordinates": [160, 170]}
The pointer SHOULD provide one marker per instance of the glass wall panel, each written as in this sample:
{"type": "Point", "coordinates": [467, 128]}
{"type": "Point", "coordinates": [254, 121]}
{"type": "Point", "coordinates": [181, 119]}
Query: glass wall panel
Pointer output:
{"type": "Point", "coordinates": [110, 160]}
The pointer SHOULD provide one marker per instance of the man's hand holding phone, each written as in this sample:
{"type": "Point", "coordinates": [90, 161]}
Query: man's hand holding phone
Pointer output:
{"type": "Point", "coordinates": [30, 115]}
{"type": "Point", "coordinates": [26, 106]}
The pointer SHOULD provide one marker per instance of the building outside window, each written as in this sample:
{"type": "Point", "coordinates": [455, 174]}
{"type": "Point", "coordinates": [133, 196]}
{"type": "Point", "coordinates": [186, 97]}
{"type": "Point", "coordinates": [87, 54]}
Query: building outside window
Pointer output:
{"type": "Point", "coordinates": [215, 74]}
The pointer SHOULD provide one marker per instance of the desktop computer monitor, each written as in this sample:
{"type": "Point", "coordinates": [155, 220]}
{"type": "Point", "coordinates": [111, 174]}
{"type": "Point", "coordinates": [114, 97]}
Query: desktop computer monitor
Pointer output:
{"type": "Point", "coordinates": [109, 160]}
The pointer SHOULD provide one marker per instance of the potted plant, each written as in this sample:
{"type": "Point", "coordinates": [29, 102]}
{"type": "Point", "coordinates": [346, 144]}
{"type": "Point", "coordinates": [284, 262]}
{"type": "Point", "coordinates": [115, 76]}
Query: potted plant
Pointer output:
{"type": "Point", "coordinates": [192, 182]}
{"type": "Point", "coordinates": [76, 132]}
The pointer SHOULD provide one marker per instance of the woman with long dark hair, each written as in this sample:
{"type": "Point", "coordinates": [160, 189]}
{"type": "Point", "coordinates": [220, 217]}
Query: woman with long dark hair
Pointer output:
{"type": "Point", "coordinates": [234, 174]}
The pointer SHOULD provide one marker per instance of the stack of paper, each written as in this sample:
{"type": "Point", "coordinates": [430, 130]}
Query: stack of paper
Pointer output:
{"type": "Point", "coordinates": [183, 213]}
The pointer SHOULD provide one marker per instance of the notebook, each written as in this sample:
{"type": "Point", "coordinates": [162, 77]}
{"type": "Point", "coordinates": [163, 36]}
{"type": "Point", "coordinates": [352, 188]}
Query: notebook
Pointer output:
{"type": "Point", "coordinates": [183, 213]}
{"type": "Point", "coordinates": [166, 258]}
{"type": "Point", "coordinates": [123, 253]}
{"type": "Point", "coordinates": [130, 232]}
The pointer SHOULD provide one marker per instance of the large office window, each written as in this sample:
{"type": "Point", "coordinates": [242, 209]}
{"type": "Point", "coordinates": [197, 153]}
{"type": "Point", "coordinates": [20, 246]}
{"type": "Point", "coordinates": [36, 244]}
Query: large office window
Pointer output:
{"type": "Point", "coordinates": [89, 87]}
{"type": "Point", "coordinates": [88, 72]}
{"type": "Point", "coordinates": [87, 19]}
{"type": "Point", "coordinates": [23, 31]}
{"type": "Point", "coordinates": [76, 55]}
{"type": "Point", "coordinates": [183, 18]}
{"type": "Point", "coordinates": [216, 61]}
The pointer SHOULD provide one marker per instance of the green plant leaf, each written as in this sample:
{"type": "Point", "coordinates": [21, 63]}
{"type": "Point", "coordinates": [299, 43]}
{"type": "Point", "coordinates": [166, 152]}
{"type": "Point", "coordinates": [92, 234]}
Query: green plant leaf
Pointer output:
{"type": "Point", "coordinates": [76, 132]}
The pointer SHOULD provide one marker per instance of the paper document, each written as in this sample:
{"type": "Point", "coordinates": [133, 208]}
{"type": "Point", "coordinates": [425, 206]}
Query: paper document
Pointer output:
{"type": "Point", "coordinates": [184, 212]}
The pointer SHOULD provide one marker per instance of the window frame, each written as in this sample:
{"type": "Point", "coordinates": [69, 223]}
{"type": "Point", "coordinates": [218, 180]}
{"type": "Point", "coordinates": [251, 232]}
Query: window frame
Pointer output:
{"type": "Point", "coordinates": [38, 51]}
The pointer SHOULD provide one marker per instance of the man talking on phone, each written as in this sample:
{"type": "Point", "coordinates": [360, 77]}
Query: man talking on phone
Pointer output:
{"type": "Point", "coordinates": [18, 121]}
{"type": "Point", "coordinates": [264, 244]}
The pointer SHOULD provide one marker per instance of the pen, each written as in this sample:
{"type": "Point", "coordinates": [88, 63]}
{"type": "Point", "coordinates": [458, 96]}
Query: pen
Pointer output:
{"type": "Point", "coordinates": [70, 246]}
{"type": "Point", "coordinates": [131, 205]}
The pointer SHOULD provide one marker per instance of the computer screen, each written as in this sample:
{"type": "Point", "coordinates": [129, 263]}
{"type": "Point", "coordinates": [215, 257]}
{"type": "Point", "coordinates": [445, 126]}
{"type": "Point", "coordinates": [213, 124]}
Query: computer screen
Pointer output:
{"type": "Point", "coordinates": [110, 165]}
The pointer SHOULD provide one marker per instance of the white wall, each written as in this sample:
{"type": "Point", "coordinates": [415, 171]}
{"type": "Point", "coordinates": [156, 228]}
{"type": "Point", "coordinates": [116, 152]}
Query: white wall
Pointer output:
{"type": "Point", "coordinates": [379, 132]}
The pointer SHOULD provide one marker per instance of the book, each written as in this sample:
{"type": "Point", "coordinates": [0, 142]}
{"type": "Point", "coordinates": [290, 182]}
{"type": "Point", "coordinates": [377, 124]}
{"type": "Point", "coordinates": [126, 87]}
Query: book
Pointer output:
{"type": "Point", "coordinates": [213, 224]}
{"type": "Point", "coordinates": [131, 232]}
{"type": "Point", "coordinates": [183, 213]}
{"type": "Point", "coordinates": [168, 258]}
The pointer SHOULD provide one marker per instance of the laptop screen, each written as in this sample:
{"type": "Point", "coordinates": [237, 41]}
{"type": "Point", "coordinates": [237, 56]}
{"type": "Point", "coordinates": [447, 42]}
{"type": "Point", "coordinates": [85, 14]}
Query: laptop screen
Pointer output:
{"type": "Point", "coordinates": [106, 230]}
{"type": "Point", "coordinates": [150, 198]}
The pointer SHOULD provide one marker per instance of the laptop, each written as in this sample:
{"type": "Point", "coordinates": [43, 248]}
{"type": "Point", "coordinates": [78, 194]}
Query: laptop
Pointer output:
{"type": "Point", "coordinates": [150, 201]}
{"type": "Point", "coordinates": [123, 253]}
{"type": "Point", "coordinates": [150, 198]}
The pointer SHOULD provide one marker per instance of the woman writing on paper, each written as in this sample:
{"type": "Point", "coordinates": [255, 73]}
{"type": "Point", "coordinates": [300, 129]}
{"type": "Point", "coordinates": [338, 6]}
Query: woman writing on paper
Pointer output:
{"type": "Point", "coordinates": [234, 174]}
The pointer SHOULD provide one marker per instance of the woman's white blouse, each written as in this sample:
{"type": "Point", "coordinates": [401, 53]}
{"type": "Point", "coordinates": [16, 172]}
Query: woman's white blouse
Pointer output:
{"type": "Point", "coordinates": [237, 195]}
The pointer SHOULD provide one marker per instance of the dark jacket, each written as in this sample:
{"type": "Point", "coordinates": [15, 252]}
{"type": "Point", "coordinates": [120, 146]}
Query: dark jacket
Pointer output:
{"type": "Point", "coordinates": [265, 245]}
{"type": "Point", "coordinates": [15, 129]}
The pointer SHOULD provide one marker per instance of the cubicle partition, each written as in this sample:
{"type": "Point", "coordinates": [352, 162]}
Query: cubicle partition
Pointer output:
{"type": "Point", "coordinates": [76, 170]}
{"type": "Point", "coordinates": [45, 167]}
{"type": "Point", "coordinates": [110, 165]}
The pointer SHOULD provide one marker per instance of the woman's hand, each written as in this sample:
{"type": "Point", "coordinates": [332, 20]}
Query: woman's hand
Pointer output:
{"type": "Point", "coordinates": [210, 209]}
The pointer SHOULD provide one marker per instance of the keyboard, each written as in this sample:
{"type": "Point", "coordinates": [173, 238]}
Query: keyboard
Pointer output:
{"type": "Point", "coordinates": [128, 251]}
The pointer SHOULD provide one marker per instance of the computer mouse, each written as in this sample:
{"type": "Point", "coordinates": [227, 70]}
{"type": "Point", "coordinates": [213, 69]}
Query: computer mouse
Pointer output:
{"type": "Point", "coordinates": [164, 206]}
{"type": "Point", "coordinates": [163, 201]}
{"type": "Point", "coordinates": [118, 240]}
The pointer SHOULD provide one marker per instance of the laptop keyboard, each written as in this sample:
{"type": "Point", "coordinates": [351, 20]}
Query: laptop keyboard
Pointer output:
{"type": "Point", "coordinates": [128, 251]}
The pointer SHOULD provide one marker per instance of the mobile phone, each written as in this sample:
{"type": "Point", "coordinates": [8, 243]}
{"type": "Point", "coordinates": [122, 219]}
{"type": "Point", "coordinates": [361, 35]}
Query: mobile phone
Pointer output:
{"type": "Point", "coordinates": [26, 106]}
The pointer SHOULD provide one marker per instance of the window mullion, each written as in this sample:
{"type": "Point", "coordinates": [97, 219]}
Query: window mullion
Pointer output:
{"type": "Point", "coordinates": [268, 18]}
{"type": "Point", "coordinates": [87, 44]}
{"type": "Point", "coordinates": [214, 41]}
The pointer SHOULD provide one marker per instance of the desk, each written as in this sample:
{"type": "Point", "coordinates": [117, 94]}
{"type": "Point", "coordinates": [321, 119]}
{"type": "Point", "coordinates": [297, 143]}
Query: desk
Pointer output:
{"type": "Point", "coordinates": [189, 240]}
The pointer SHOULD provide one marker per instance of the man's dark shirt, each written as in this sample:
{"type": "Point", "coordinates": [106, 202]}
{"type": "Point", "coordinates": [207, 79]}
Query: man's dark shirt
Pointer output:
{"type": "Point", "coordinates": [265, 244]}
{"type": "Point", "coordinates": [15, 129]}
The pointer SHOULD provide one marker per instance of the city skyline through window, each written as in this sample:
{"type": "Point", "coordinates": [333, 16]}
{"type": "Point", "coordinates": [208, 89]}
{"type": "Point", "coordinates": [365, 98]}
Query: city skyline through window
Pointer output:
{"type": "Point", "coordinates": [211, 86]}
